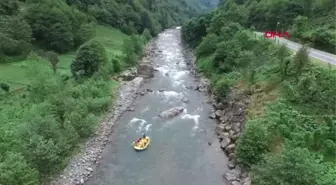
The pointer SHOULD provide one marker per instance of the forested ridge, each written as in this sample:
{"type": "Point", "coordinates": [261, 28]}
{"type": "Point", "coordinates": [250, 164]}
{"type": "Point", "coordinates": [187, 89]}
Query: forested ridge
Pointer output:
{"type": "Point", "coordinates": [289, 136]}
{"type": "Point", "coordinates": [58, 62]}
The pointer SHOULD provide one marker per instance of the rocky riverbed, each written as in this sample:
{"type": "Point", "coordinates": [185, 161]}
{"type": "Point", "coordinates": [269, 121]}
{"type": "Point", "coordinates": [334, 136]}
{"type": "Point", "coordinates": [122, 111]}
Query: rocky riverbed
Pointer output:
{"type": "Point", "coordinates": [230, 115]}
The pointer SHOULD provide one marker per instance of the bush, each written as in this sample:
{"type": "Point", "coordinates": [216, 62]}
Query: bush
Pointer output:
{"type": "Point", "coordinates": [116, 64]}
{"type": "Point", "coordinates": [4, 87]}
{"type": "Point", "coordinates": [293, 166]}
{"type": "Point", "coordinates": [146, 33]}
{"type": "Point", "coordinates": [90, 56]}
{"type": "Point", "coordinates": [253, 144]}
{"type": "Point", "coordinates": [222, 87]}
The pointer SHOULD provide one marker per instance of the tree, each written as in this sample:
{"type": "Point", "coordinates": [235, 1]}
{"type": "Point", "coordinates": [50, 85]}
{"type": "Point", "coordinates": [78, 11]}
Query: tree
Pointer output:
{"type": "Point", "coordinates": [300, 61]}
{"type": "Point", "coordinates": [51, 27]}
{"type": "Point", "coordinates": [15, 35]}
{"type": "Point", "coordinates": [90, 56]}
{"type": "Point", "coordinates": [15, 170]}
{"type": "Point", "coordinates": [53, 59]}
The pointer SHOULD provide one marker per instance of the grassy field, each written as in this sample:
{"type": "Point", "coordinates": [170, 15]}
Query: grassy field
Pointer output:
{"type": "Point", "coordinates": [15, 74]}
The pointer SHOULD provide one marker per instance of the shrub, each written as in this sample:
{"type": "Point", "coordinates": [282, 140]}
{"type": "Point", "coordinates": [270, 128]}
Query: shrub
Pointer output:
{"type": "Point", "coordinates": [90, 56]}
{"type": "Point", "coordinates": [4, 87]}
{"type": "Point", "coordinates": [253, 144]}
{"type": "Point", "coordinates": [116, 64]}
{"type": "Point", "coordinates": [293, 166]}
{"type": "Point", "coordinates": [146, 33]}
{"type": "Point", "coordinates": [222, 87]}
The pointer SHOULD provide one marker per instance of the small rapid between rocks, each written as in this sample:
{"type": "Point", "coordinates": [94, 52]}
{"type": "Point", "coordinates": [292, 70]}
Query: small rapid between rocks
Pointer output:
{"type": "Point", "coordinates": [185, 149]}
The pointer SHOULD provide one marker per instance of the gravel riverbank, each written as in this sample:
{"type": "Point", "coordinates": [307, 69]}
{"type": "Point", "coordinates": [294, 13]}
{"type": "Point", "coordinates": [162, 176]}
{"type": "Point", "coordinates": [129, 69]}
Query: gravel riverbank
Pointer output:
{"type": "Point", "coordinates": [81, 166]}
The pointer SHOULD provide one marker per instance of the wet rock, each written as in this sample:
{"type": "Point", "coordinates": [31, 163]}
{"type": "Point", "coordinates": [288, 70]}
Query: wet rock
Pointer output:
{"type": "Point", "coordinates": [212, 116]}
{"type": "Point", "coordinates": [166, 74]}
{"type": "Point", "coordinates": [238, 170]}
{"type": "Point", "coordinates": [161, 90]}
{"type": "Point", "coordinates": [131, 109]}
{"type": "Point", "coordinates": [142, 93]}
{"type": "Point", "coordinates": [175, 111]}
{"type": "Point", "coordinates": [235, 183]}
{"type": "Point", "coordinates": [225, 142]}
{"type": "Point", "coordinates": [230, 148]}
{"type": "Point", "coordinates": [185, 100]}
{"type": "Point", "coordinates": [145, 70]}
{"type": "Point", "coordinates": [230, 176]}
{"type": "Point", "coordinates": [219, 129]}
{"type": "Point", "coordinates": [149, 90]}
{"type": "Point", "coordinates": [227, 128]}
{"type": "Point", "coordinates": [231, 165]}
{"type": "Point", "coordinates": [218, 113]}
{"type": "Point", "coordinates": [196, 88]}
{"type": "Point", "coordinates": [223, 135]}
{"type": "Point", "coordinates": [209, 142]}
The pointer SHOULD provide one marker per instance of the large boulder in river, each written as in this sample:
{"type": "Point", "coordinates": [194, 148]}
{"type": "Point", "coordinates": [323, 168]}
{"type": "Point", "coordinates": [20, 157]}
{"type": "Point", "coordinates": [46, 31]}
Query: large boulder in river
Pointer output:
{"type": "Point", "coordinates": [146, 70]}
{"type": "Point", "coordinates": [175, 111]}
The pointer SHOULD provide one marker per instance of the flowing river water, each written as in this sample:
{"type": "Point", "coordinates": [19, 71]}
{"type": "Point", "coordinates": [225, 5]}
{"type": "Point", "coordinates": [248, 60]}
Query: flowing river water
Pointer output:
{"type": "Point", "coordinates": [179, 153]}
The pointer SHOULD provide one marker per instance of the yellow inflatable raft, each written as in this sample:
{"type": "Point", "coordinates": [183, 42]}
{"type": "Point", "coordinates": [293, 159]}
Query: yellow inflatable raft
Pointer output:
{"type": "Point", "coordinates": [142, 144]}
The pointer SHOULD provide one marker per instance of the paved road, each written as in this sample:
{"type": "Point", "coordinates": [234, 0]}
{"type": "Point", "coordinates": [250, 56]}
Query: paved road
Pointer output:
{"type": "Point", "coordinates": [320, 55]}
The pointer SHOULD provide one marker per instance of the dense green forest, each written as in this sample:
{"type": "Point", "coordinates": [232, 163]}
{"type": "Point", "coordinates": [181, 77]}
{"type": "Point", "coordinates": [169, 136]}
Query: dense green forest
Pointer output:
{"type": "Point", "coordinates": [307, 21]}
{"type": "Point", "coordinates": [63, 25]}
{"type": "Point", "coordinates": [289, 136]}
{"type": "Point", "coordinates": [57, 63]}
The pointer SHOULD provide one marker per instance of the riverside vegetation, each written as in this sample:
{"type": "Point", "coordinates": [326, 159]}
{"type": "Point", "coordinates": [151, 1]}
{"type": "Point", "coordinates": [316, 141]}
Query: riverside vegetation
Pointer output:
{"type": "Point", "coordinates": [290, 138]}
{"type": "Point", "coordinates": [51, 98]}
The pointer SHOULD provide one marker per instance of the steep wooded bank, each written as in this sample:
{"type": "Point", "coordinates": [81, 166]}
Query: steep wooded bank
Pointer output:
{"type": "Point", "coordinates": [307, 21]}
{"type": "Point", "coordinates": [53, 98]}
{"type": "Point", "coordinates": [289, 126]}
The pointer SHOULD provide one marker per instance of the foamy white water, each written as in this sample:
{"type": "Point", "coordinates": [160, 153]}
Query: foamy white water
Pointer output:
{"type": "Point", "coordinates": [139, 122]}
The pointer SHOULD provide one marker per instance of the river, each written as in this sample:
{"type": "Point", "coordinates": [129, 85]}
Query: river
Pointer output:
{"type": "Point", "coordinates": [179, 153]}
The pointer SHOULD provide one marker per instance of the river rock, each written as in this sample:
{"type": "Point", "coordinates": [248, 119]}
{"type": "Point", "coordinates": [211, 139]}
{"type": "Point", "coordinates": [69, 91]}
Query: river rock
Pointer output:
{"type": "Point", "coordinates": [236, 127]}
{"type": "Point", "coordinates": [129, 74]}
{"type": "Point", "coordinates": [235, 183]}
{"type": "Point", "coordinates": [161, 90]}
{"type": "Point", "coordinates": [175, 111]}
{"type": "Point", "coordinates": [185, 100]}
{"type": "Point", "coordinates": [225, 142]}
{"type": "Point", "coordinates": [212, 116]}
{"type": "Point", "coordinates": [230, 148]}
{"type": "Point", "coordinates": [219, 129]}
{"type": "Point", "coordinates": [145, 70]}
{"type": "Point", "coordinates": [227, 128]}
{"type": "Point", "coordinates": [231, 165]}
{"type": "Point", "coordinates": [223, 135]}
{"type": "Point", "coordinates": [218, 113]}
{"type": "Point", "coordinates": [230, 176]}
{"type": "Point", "coordinates": [219, 106]}
{"type": "Point", "coordinates": [149, 90]}
{"type": "Point", "coordinates": [82, 181]}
